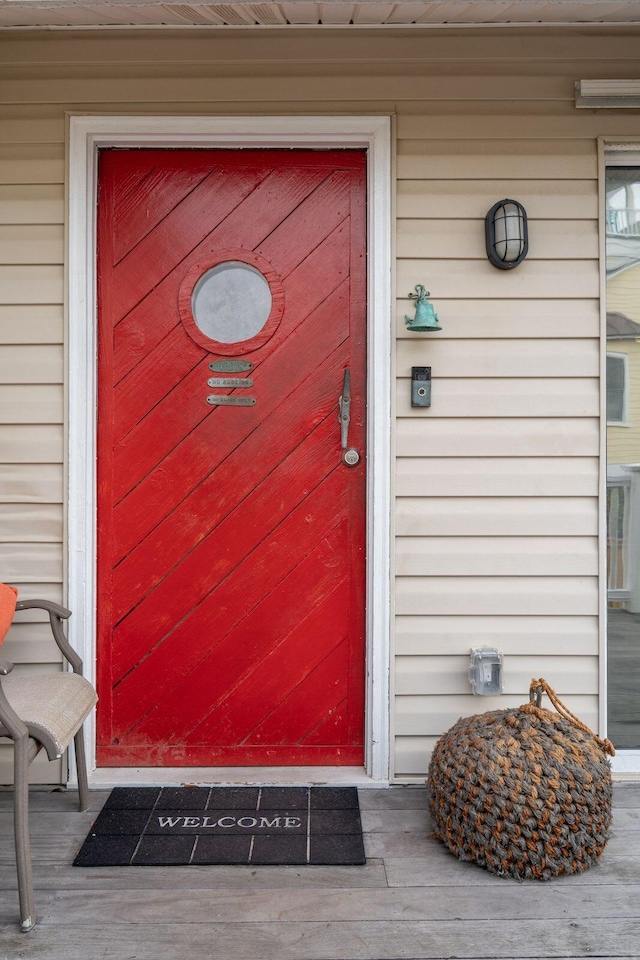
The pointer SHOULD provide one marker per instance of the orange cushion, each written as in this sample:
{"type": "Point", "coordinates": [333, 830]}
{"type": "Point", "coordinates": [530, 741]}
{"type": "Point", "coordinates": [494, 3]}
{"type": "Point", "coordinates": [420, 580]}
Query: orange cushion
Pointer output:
{"type": "Point", "coordinates": [8, 600]}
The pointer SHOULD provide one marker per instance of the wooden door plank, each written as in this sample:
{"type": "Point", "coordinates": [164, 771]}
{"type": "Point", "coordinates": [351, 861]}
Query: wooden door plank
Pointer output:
{"type": "Point", "coordinates": [305, 296]}
{"type": "Point", "coordinates": [135, 395]}
{"type": "Point", "coordinates": [238, 646]}
{"type": "Point", "coordinates": [171, 479]}
{"type": "Point", "coordinates": [187, 525]}
{"type": "Point", "coordinates": [143, 329]}
{"type": "Point", "coordinates": [309, 703]}
{"type": "Point", "coordinates": [145, 326]}
{"type": "Point", "coordinates": [155, 187]}
{"type": "Point", "coordinates": [176, 362]}
{"type": "Point", "coordinates": [173, 606]}
{"type": "Point", "coordinates": [333, 728]}
{"type": "Point", "coordinates": [247, 204]}
{"type": "Point", "coordinates": [177, 235]}
{"type": "Point", "coordinates": [274, 678]}
{"type": "Point", "coordinates": [323, 210]}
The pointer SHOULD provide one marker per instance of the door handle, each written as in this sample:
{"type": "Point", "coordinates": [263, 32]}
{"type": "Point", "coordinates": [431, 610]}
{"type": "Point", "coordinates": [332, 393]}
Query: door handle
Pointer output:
{"type": "Point", "coordinates": [349, 456]}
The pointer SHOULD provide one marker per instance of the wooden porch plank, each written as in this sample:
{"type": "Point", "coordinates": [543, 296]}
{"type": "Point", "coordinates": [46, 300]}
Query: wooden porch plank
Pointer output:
{"type": "Point", "coordinates": [408, 843]}
{"type": "Point", "coordinates": [626, 795]}
{"type": "Point", "coordinates": [400, 798]}
{"type": "Point", "coordinates": [506, 900]}
{"type": "Point", "coordinates": [384, 940]}
{"type": "Point", "coordinates": [63, 876]}
{"type": "Point", "coordinates": [55, 800]}
{"type": "Point", "coordinates": [440, 868]}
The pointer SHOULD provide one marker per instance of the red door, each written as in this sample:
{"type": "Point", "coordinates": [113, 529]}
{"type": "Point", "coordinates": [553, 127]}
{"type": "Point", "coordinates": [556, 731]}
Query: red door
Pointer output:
{"type": "Point", "coordinates": [231, 532]}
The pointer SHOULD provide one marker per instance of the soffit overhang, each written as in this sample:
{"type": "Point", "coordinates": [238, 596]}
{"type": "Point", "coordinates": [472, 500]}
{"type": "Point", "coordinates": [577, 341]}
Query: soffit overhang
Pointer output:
{"type": "Point", "coordinates": [329, 14]}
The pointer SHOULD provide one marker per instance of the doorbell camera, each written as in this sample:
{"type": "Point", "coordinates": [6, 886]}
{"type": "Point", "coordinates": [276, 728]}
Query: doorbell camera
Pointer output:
{"type": "Point", "coordinates": [420, 386]}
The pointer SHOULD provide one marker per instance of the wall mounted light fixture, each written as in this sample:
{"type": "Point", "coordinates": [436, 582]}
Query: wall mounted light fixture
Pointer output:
{"type": "Point", "coordinates": [506, 234]}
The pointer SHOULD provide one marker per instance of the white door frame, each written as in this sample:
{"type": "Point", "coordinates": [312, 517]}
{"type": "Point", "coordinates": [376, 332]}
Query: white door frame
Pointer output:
{"type": "Point", "coordinates": [86, 135]}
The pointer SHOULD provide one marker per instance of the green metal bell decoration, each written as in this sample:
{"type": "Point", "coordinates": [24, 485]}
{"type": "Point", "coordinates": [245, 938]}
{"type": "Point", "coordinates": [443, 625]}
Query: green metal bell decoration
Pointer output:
{"type": "Point", "coordinates": [426, 319]}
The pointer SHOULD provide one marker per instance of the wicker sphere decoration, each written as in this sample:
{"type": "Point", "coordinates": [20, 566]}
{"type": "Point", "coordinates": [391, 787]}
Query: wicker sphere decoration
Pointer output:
{"type": "Point", "coordinates": [524, 792]}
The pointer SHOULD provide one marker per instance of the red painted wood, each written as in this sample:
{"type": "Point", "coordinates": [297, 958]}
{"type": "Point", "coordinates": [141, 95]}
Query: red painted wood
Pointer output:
{"type": "Point", "coordinates": [287, 607]}
{"type": "Point", "coordinates": [333, 728]}
{"type": "Point", "coordinates": [278, 505]}
{"type": "Point", "coordinates": [330, 679]}
{"type": "Point", "coordinates": [183, 529]}
{"type": "Point", "coordinates": [304, 298]}
{"type": "Point", "coordinates": [168, 464]}
{"type": "Point", "coordinates": [287, 673]}
{"type": "Point", "coordinates": [159, 755]}
{"type": "Point", "coordinates": [178, 233]}
{"type": "Point", "coordinates": [157, 190]}
{"type": "Point", "coordinates": [150, 321]}
{"type": "Point", "coordinates": [231, 539]}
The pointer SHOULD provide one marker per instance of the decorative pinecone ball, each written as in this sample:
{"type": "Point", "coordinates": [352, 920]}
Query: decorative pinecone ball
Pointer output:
{"type": "Point", "coordinates": [522, 792]}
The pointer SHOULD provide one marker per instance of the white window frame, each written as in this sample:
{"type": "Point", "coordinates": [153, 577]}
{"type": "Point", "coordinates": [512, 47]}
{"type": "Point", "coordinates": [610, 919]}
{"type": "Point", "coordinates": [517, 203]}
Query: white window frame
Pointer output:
{"type": "Point", "coordinates": [611, 153]}
{"type": "Point", "coordinates": [86, 135]}
{"type": "Point", "coordinates": [624, 422]}
{"type": "Point", "coordinates": [619, 593]}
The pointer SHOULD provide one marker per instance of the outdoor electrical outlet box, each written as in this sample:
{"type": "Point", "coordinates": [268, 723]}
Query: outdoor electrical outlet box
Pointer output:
{"type": "Point", "coordinates": [485, 671]}
{"type": "Point", "coordinates": [420, 386]}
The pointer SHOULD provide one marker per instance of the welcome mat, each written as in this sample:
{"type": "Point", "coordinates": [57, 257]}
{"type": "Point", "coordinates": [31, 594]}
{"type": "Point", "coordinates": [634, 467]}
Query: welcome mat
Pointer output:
{"type": "Point", "coordinates": [166, 826]}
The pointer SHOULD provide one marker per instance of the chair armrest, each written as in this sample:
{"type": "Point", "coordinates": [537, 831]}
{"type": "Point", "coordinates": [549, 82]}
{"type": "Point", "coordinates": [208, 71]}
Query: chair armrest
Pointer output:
{"type": "Point", "coordinates": [47, 605]}
{"type": "Point", "coordinates": [56, 615]}
{"type": "Point", "coordinates": [5, 667]}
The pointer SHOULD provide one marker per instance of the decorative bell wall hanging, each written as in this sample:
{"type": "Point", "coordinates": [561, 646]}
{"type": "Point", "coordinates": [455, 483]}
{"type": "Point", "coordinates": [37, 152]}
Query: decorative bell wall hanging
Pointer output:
{"type": "Point", "coordinates": [426, 319]}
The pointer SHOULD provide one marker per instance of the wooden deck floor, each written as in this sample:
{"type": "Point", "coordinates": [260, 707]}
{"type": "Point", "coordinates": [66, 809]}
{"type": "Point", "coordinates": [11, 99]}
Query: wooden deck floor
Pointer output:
{"type": "Point", "coordinates": [412, 899]}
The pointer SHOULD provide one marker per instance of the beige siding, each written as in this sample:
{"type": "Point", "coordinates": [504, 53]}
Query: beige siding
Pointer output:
{"type": "Point", "coordinates": [496, 513]}
{"type": "Point", "coordinates": [31, 388]}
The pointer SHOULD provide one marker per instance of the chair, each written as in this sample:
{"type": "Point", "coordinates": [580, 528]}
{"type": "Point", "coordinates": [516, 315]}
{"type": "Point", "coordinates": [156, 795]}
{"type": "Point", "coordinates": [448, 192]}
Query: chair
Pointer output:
{"type": "Point", "coordinates": [44, 710]}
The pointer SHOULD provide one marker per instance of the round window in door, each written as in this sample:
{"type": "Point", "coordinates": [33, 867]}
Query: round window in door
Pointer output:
{"type": "Point", "coordinates": [231, 304]}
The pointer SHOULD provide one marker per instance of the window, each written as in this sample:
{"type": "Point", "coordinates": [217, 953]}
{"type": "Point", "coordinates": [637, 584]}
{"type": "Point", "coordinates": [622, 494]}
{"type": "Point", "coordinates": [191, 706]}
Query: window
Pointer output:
{"type": "Point", "coordinates": [616, 388]}
{"type": "Point", "coordinates": [231, 302]}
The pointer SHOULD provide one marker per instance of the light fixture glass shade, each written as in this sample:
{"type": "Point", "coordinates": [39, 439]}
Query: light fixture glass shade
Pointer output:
{"type": "Point", "coordinates": [506, 234]}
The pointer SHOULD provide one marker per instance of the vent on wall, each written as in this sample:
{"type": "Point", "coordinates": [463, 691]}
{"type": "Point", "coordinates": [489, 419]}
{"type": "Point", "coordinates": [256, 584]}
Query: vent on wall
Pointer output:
{"type": "Point", "coordinates": [611, 94]}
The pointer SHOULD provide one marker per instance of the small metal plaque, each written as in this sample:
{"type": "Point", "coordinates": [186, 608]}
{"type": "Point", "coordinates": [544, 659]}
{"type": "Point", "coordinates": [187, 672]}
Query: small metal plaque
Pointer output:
{"type": "Point", "coordinates": [230, 400]}
{"type": "Point", "coordinates": [230, 366]}
{"type": "Point", "coordinates": [230, 382]}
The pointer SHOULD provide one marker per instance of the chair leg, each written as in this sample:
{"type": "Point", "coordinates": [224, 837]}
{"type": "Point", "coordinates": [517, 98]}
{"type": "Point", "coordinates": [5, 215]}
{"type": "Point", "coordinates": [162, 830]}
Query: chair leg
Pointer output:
{"type": "Point", "coordinates": [21, 827]}
{"type": "Point", "coordinates": [81, 767]}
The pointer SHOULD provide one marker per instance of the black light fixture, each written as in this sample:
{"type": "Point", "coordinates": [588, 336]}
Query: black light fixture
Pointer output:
{"type": "Point", "coordinates": [506, 234]}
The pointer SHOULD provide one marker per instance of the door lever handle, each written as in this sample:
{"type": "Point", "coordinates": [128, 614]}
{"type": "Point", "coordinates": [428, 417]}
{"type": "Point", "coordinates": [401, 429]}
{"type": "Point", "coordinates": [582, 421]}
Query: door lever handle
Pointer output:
{"type": "Point", "coordinates": [349, 456]}
{"type": "Point", "coordinates": [345, 406]}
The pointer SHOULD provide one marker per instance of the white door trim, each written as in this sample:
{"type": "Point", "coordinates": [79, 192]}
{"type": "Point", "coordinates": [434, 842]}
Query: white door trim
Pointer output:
{"type": "Point", "coordinates": [86, 135]}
